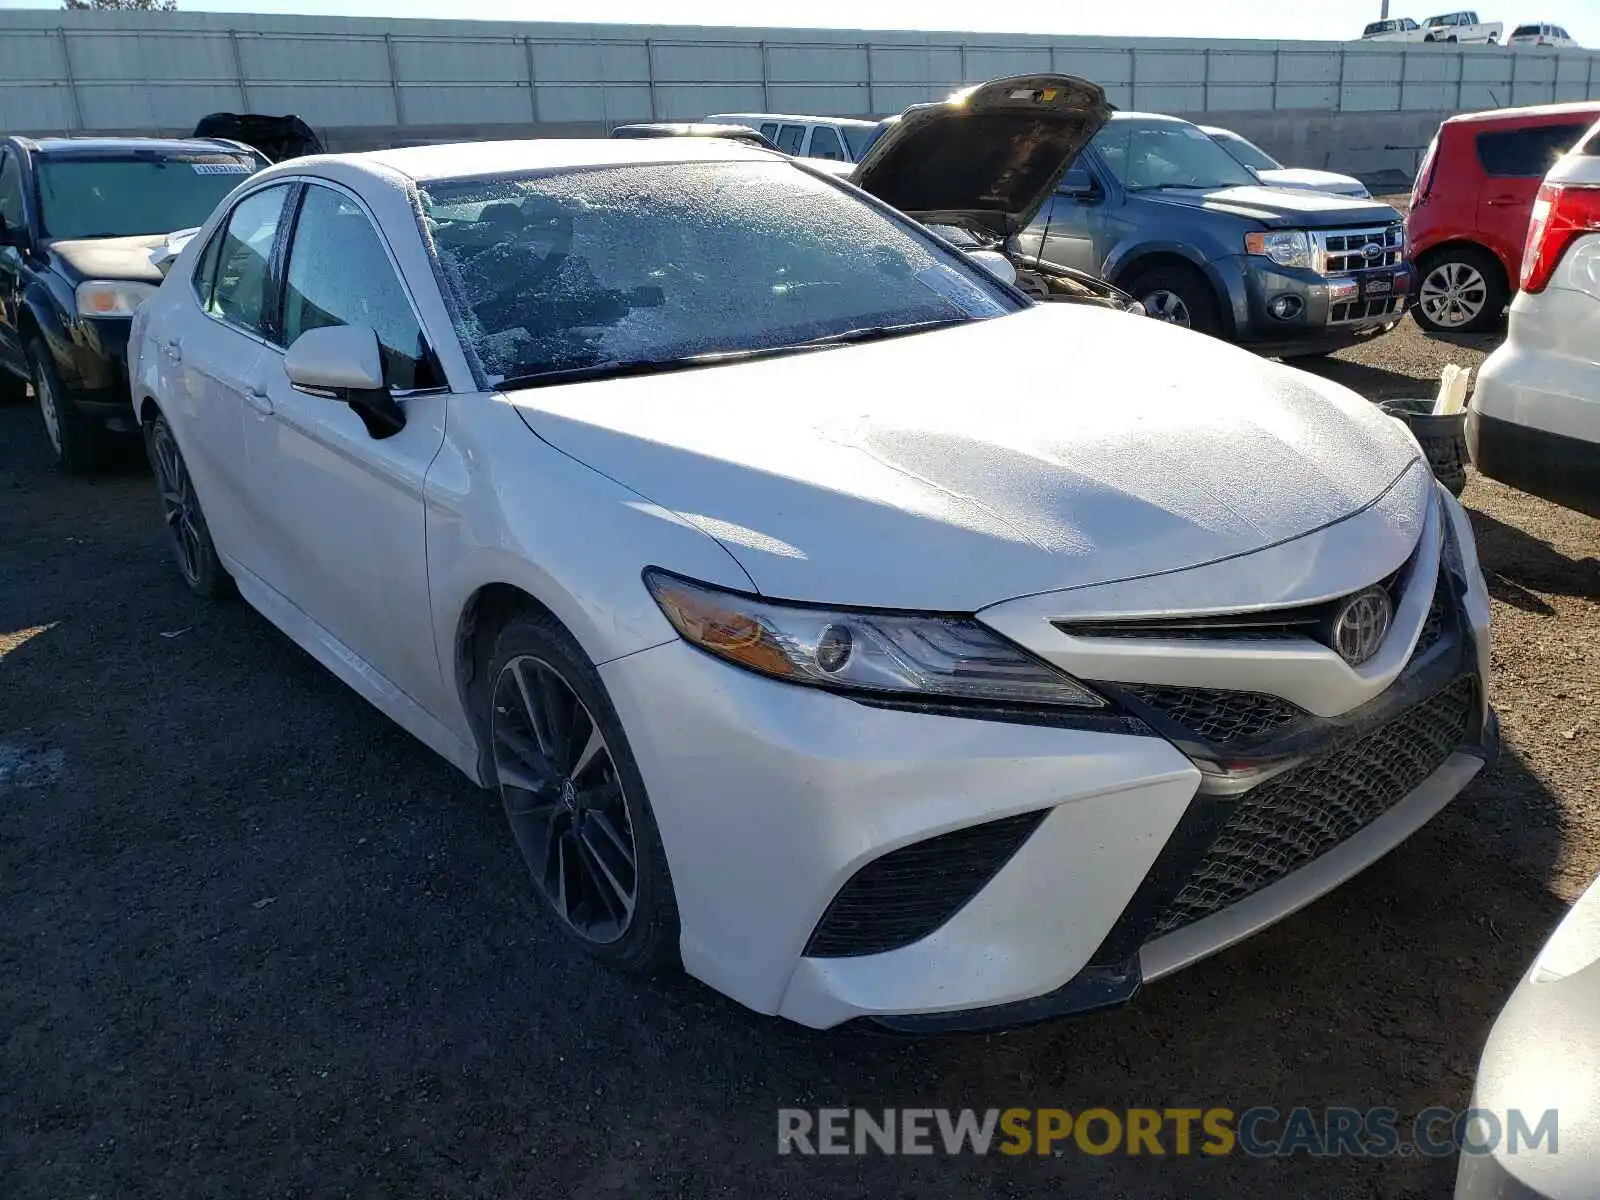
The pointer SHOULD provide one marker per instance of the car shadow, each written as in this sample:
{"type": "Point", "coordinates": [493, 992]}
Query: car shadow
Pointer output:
{"type": "Point", "coordinates": [1375, 383]}
{"type": "Point", "coordinates": [1516, 565]}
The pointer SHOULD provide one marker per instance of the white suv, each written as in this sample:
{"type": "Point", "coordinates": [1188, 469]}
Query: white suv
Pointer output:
{"type": "Point", "coordinates": [1535, 419]}
{"type": "Point", "coordinates": [834, 139]}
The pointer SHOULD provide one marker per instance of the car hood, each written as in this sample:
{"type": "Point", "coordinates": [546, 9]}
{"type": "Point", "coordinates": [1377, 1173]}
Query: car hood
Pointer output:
{"type": "Point", "coordinates": [1317, 181]}
{"type": "Point", "coordinates": [953, 469]}
{"type": "Point", "coordinates": [1277, 208]}
{"type": "Point", "coordinates": [120, 258]}
{"type": "Point", "coordinates": [987, 157]}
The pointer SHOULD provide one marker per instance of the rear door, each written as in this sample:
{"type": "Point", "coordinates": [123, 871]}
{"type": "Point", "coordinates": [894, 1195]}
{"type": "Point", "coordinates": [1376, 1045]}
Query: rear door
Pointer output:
{"type": "Point", "coordinates": [1514, 162]}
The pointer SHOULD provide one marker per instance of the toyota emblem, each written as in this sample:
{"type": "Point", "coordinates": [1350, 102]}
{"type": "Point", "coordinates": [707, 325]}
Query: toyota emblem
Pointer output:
{"type": "Point", "coordinates": [1362, 624]}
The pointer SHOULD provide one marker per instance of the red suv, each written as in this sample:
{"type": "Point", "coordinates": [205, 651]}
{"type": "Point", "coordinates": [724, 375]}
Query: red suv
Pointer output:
{"type": "Point", "coordinates": [1470, 208]}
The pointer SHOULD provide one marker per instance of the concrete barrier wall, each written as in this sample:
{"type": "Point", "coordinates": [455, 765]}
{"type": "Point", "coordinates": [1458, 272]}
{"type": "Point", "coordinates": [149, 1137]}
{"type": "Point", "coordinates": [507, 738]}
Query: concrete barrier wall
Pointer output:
{"type": "Point", "coordinates": [1361, 107]}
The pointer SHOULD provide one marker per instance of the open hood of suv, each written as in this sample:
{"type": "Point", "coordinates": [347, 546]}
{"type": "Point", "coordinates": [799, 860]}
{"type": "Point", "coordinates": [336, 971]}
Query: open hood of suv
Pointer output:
{"type": "Point", "coordinates": [988, 157]}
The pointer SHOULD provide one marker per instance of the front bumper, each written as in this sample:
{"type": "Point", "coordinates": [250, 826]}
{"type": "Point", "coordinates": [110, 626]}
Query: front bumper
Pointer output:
{"type": "Point", "coordinates": [774, 802]}
{"type": "Point", "coordinates": [1329, 312]}
{"type": "Point", "coordinates": [95, 369]}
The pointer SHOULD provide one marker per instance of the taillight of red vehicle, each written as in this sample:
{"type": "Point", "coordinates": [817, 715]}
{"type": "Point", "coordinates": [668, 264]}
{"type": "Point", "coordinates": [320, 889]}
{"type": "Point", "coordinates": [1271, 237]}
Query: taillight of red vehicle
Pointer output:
{"type": "Point", "coordinates": [1562, 214]}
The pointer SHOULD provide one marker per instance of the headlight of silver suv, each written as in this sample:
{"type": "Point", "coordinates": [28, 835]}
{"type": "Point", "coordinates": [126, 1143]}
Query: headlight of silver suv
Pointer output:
{"type": "Point", "coordinates": [1286, 247]}
{"type": "Point", "coordinates": [929, 656]}
{"type": "Point", "coordinates": [111, 297]}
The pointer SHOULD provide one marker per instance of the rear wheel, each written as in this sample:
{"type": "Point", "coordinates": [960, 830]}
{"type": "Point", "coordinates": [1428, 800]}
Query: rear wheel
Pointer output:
{"type": "Point", "coordinates": [187, 532]}
{"type": "Point", "coordinates": [575, 799]}
{"type": "Point", "coordinates": [1462, 290]}
{"type": "Point", "coordinates": [79, 442]}
{"type": "Point", "coordinates": [1178, 295]}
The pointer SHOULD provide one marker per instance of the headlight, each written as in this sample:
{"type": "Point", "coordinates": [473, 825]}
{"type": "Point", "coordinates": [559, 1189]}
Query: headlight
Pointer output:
{"type": "Point", "coordinates": [110, 298]}
{"type": "Point", "coordinates": [1286, 247]}
{"type": "Point", "coordinates": [928, 656]}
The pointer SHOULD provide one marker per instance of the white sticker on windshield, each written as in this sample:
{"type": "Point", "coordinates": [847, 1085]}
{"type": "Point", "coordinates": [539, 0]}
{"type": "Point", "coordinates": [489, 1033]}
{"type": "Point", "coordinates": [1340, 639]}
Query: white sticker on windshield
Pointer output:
{"type": "Point", "coordinates": [227, 168]}
{"type": "Point", "coordinates": [959, 290]}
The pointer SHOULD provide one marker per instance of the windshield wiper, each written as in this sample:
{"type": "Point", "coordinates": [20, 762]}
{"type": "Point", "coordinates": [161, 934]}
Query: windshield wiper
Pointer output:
{"type": "Point", "coordinates": [621, 368]}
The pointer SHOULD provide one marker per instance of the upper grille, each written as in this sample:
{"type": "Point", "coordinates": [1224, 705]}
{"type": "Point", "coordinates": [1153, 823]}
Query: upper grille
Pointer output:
{"type": "Point", "coordinates": [1293, 818]}
{"type": "Point", "coordinates": [906, 894]}
{"type": "Point", "coordinates": [1215, 714]}
{"type": "Point", "coordinates": [1340, 251]}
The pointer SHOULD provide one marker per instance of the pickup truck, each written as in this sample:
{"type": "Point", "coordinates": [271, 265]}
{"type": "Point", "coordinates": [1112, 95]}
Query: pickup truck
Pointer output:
{"type": "Point", "coordinates": [1462, 27]}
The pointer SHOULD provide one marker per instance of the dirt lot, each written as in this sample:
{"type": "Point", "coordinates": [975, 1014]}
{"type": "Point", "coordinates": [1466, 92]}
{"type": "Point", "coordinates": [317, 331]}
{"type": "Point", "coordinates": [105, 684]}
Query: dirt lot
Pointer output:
{"type": "Point", "coordinates": [256, 941]}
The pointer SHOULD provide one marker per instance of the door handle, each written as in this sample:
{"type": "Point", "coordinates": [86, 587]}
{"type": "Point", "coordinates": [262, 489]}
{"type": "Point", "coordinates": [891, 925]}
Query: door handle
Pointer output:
{"type": "Point", "coordinates": [257, 398]}
{"type": "Point", "coordinates": [1502, 201]}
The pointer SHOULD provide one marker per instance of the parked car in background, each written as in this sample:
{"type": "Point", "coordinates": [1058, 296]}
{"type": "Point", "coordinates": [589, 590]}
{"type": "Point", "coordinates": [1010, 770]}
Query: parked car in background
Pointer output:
{"type": "Point", "coordinates": [1542, 35]}
{"type": "Point", "coordinates": [836, 139]}
{"type": "Point", "coordinates": [1541, 1071]}
{"type": "Point", "coordinates": [1398, 29]}
{"type": "Point", "coordinates": [1273, 173]}
{"type": "Point", "coordinates": [1462, 27]}
{"type": "Point", "coordinates": [1161, 210]}
{"type": "Point", "coordinates": [278, 138]}
{"type": "Point", "coordinates": [914, 631]}
{"type": "Point", "coordinates": [1468, 220]}
{"type": "Point", "coordinates": [661, 129]}
{"type": "Point", "coordinates": [1534, 421]}
{"type": "Point", "coordinates": [79, 218]}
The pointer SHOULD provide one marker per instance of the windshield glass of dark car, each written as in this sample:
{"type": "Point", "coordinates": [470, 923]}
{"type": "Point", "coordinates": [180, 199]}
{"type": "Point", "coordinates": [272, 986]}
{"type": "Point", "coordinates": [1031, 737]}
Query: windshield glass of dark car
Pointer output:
{"type": "Point", "coordinates": [127, 195]}
{"type": "Point", "coordinates": [1150, 155]}
{"type": "Point", "coordinates": [1248, 153]}
{"type": "Point", "coordinates": [656, 263]}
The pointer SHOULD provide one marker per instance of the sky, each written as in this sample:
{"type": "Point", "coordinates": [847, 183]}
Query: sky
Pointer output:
{"type": "Point", "coordinates": [1333, 20]}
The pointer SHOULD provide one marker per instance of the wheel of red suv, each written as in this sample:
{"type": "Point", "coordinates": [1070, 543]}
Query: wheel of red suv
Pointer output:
{"type": "Point", "coordinates": [1462, 290]}
{"type": "Point", "coordinates": [78, 442]}
{"type": "Point", "coordinates": [1175, 294]}
{"type": "Point", "coordinates": [575, 799]}
{"type": "Point", "coordinates": [187, 532]}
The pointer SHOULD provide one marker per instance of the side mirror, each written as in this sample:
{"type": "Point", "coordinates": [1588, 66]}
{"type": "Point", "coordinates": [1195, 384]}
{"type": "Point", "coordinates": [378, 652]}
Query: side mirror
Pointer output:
{"type": "Point", "coordinates": [342, 362]}
{"type": "Point", "coordinates": [1078, 183]}
{"type": "Point", "coordinates": [995, 263]}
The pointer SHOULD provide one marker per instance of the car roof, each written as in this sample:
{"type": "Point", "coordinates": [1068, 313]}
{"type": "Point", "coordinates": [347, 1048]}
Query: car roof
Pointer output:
{"type": "Point", "coordinates": [1510, 116]}
{"type": "Point", "coordinates": [465, 159]}
{"type": "Point", "coordinates": [1149, 116]}
{"type": "Point", "coordinates": [792, 117]}
{"type": "Point", "coordinates": [692, 128]}
{"type": "Point", "coordinates": [62, 146]}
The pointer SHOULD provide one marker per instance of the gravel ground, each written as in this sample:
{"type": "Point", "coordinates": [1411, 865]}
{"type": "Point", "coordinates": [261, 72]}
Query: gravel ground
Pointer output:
{"type": "Point", "coordinates": [256, 941]}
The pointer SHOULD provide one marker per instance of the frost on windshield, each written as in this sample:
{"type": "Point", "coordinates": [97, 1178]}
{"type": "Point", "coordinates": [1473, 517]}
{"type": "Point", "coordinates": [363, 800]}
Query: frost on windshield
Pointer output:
{"type": "Point", "coordinates": [654, 263]}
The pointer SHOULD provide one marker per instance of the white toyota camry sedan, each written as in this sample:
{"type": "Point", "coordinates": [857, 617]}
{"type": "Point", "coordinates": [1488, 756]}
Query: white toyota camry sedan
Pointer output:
{"type": "Point", "coordinates": [827, 616]}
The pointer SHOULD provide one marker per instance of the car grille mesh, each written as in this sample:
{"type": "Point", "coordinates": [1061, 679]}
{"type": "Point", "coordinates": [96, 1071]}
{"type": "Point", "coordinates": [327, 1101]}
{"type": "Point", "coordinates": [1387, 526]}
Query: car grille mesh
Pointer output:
{"type": "Point", "coordinates": [903, 896]}
{"type": "Point", "coordinates": [1366, 310]}
{"type": "Point", "coordinates": [1215, 714]}
{"type": "Point", "coordinates": [1286, 822]}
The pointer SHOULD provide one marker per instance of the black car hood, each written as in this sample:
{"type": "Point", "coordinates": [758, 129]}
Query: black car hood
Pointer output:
{"type": "Point", "coordinates": [987, 158]}
{"type": "Point", "coordinates": [120, 258]}
{"type": "Point", "coordinates": [1278, 207]}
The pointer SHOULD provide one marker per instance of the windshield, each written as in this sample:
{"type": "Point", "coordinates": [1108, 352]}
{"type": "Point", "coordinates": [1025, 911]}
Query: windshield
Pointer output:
{"type": "Point", "coordinates": [1247, 153]}
{"type": "Point", "coordinates": [135, 194]}
{"type": "Point", "coordinates": [652, 263]}
{"type": "Point", "coordinates": [1150, 155]}
{"type": "Point", "coordinates": [860, 137]}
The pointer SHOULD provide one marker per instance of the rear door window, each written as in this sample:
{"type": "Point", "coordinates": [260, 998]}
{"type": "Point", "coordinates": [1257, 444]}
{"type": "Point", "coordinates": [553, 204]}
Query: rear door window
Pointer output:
{"type": "Point", "coordinates": [769, 130]}
{"type": "Point", "coordinates": [1526, 153]}
{"type": "Point", "coordinates": [244, 264]}
{"type": "Point", "coordinates": [825, 144]}
{"type": "Point", "coordinates": [789, 138]}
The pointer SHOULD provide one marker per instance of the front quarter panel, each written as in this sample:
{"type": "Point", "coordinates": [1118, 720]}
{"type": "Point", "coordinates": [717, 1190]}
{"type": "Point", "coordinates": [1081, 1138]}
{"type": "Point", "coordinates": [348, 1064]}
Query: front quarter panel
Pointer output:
{"type": "Point", "coordinates": [505, 507]}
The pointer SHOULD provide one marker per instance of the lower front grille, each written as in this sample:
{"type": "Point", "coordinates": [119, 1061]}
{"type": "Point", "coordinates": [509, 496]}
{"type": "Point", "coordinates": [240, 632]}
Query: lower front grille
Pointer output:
{"type": "Point", "coordinates": [1366, 310]}
{"type": "Point", "coordinates": [1293, 818]}
{"type": "Point", "coordinates": [906, 894]}
{"type": "Point", "coordinates": [1216, 714]}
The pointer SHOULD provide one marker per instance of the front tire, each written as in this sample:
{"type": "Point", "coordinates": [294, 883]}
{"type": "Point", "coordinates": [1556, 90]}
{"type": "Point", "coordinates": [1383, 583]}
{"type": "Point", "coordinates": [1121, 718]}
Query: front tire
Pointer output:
{"type": "Point", "coordinates": [1462, 290]}
{"type": "Point", "coordinates": [78, 442]}
{"type": "Point", "coordinates": [575, 799]}
{"type": "Point", "coordinates": [1175, 294]}
{"type": "Point", "coordinates": [187, 532]}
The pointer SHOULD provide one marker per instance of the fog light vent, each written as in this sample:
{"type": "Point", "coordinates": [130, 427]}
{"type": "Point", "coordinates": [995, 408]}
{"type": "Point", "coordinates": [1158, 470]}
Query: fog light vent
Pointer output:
{"type": "Point", "coordinates": [1286, 308]}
